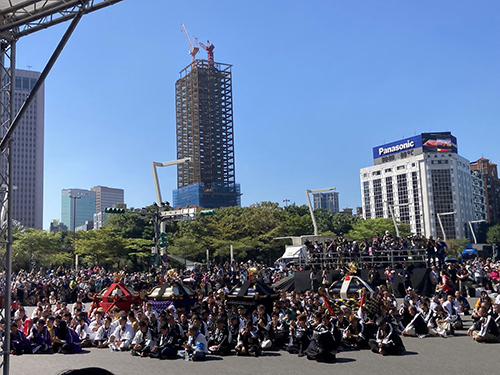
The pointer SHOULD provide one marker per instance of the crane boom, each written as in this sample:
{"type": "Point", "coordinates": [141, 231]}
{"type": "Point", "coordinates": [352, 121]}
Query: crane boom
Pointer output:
{"type": "Point", "coordinates": [186, 34]}
{"type": "Point", "coordinates": [193, 50]}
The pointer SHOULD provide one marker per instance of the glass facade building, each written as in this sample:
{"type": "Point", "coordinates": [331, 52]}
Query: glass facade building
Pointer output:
{"type": "Point", "coordinates": [75, 212]}
{"type": "Point", "coordinates": [328, 201]}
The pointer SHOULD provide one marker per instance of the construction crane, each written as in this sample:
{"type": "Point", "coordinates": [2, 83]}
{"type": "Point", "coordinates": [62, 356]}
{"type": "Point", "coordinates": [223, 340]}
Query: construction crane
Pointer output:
{"type": "Point", "coordinates": [210, 51]}
{"type": "Point", "coordinates": [193, 48]}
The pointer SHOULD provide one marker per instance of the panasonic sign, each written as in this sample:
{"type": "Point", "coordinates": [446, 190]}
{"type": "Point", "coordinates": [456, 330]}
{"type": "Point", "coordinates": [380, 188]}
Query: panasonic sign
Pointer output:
{"type": "Point", "coordinates": [403, 145]}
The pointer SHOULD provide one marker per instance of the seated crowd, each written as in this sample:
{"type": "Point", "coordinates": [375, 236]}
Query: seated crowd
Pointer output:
{"type": "Point", "coordinates": [305, 324]}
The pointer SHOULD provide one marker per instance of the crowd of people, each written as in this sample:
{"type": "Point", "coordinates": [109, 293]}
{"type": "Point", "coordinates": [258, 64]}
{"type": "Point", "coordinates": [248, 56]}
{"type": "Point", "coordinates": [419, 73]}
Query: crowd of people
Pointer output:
{"type": "Point", "coordinates": [306, 324]}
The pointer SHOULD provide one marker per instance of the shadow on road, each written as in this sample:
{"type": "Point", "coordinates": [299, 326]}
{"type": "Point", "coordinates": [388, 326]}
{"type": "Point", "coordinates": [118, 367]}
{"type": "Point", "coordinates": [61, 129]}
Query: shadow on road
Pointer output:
{"type": "Point", "coordinates": [345, 360]}
{"type": "Point", "coordinates": [271, 354]}
{"type": "Point", "coordinates": [212, 358]}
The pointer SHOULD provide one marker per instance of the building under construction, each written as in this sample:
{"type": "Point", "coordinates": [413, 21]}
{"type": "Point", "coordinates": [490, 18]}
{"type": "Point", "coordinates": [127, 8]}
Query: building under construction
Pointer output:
{"type": "Point", "coordinates": [204, 126]}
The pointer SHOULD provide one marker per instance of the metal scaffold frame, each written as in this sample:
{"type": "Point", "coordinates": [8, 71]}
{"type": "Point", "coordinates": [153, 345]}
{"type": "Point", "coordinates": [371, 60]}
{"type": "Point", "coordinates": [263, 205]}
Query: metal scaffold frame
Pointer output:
{"type": "Point", "coordinates": [19, 18]}
{"type": "Point", "coordinates": [204, 111]}
{"type": "Point", "coordinates": [204, 123]}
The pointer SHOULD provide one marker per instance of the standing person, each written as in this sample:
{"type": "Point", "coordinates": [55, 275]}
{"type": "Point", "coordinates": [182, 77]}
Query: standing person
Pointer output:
{"type": "Point", "coordinates": [463, 280]}
{"type": "Point", "coordinates": [313, 276]}
{"type": "Point", "coordinates": [430, 251]}
{"type": "Point", "coordinates": [434, 277]}
{"type": "Point", "coordinates": [406, 274]}
{"type": "Point", "coordinates": [441, 249]}
{"type": "Point", "coordinates": [389, 279]}
{"type": "Point", "coordinates": [445, 285]}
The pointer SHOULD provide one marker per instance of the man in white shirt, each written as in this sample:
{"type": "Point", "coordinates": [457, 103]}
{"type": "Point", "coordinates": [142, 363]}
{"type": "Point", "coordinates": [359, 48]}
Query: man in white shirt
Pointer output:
{"type": "Point", "coordinates": [122, 336]}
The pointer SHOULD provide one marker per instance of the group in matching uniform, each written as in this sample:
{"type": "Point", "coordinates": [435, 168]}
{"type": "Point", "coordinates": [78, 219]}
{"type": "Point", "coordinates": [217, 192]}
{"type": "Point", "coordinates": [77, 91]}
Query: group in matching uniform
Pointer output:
{"type": "Point", "coordinates": [304, 324]}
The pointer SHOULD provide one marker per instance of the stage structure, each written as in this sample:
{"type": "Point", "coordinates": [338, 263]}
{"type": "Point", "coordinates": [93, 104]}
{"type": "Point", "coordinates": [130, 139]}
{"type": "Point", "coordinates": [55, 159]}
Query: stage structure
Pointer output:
{"type": "Point", "coordinates": [19, 18]}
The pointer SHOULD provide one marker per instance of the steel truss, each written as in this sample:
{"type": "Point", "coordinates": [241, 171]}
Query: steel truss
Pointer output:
{"type": "Point", "coordinates": [19, 18]}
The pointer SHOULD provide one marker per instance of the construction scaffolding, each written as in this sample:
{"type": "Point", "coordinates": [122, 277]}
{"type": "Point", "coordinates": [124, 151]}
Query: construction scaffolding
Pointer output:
{"type": "Point", "coordinates": [204, 127]}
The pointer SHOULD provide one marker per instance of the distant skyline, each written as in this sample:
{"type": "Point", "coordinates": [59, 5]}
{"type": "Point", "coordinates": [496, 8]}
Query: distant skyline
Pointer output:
{"type": "Point", "coordinates": [316, 85]}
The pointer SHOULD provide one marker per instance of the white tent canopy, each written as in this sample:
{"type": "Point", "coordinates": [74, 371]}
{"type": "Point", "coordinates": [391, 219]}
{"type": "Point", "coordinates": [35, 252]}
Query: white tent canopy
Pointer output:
{"type": "Point", "coordinates": [294, 252]}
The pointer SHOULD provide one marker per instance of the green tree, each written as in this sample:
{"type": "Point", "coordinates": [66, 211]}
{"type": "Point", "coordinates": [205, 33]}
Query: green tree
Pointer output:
{"type": "Point", "coordinates": [342, 223]}
{"type": "Point", "coordinates": [37, 248]}
{"type": "Point", "coordinates": [493, 235]}
{"type": "Point", "coordinates": [376, 228]}
{"type": "Point", "coordinates": [298, 220]}
{"type": "Point", "coordinates": [102, 247]}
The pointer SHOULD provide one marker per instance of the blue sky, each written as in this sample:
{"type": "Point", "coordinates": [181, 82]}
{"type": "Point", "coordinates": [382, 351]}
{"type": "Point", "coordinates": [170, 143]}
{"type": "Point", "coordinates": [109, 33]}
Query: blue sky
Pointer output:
{"type": "Point", "coordinates": [316, 85]}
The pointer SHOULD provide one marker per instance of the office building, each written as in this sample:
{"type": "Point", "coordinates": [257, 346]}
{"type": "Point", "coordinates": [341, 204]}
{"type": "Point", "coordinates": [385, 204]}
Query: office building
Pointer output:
{"type": "Point", "coordinates": [421, 181]}
{"type": "Point", "coordinates": [204, 127]}
{"type": "Point", "coordinates": [28, 151]}
{"type": "Point", "coordinates": [107, 197]}
{"type": "Point", "coordinates": [478, 196]}
{"type": "Point", "coordinates": [56, 226]}
{"type": "Point", "coordinates": [77, 207]}
{"type": "Point", "coordinates": [491, 186]}
{"type": "Point", "coordinates": [328, 201]}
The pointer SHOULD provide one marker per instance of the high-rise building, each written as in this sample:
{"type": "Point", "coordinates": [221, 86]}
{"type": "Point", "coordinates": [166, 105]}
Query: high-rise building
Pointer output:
{"type": "Point", "coordinates": [478, 196]}
{"type": "Point", "coordinates": [421, 181]}
{"type": "Point", "coordinates": [107, 197]}
{"type": "Point", "coordinates": [204, 127]}
{"type": "Point", "coordinates": [491, 187]}
{"type": "Point", "coordinates": [27, 160]}
{"type": "Point", "coordinates": [328, 201]}
{"type": "Point", "coordinates": [77, 207]}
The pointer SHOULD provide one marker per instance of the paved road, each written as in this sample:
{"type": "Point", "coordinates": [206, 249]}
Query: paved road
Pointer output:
{"type": "Point", "coordinates": [453, 355]}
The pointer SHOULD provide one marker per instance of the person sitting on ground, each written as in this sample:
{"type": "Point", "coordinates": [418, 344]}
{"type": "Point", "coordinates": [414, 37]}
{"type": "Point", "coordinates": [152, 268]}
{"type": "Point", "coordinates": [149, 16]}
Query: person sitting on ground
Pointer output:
{"type": "Point", "coordinates": [278, 332]}
{"type": "Point", "coordinates": [40, 338]}
{"type": "Point", "coordinates": [323, 347]}
{"type": "Point", "coordinates": [165, 347]}
{"type": "Point", "coordinates": [196, 347]}
{"type": "Point", "coordinates": [248, 341]}
{"type": "Point", "coordinates": [387, 341]}
{"type": "Point", "coordinates": [439, 324]}
{"type": "Point", "coordinates": [484, 297]}
{"type": "Point", "coordinates": [452, 308]}
{"type": "Point", "coordinates": [417, 326]}
{"type": "Point", "coordinates": [462, 303]}
{"type": "Point", "coordinates": [66, 340]}
{"type": "Point", "coordinates": [103, 334]}
{"type": "Point", "coordinates": [484, 329]}
{"type": "Point", "coordinates": [122, 336]}
{"type": "Point", "coordinates": [143, 340]}
{"type": "Point", "coordinates": [219, 342]}
{"type": "Point", "coordinates": [84, 332]}
{"type": "Point", "coordinates": [354, 336]}
{"type": "Point", "coordinates": [19, 344]}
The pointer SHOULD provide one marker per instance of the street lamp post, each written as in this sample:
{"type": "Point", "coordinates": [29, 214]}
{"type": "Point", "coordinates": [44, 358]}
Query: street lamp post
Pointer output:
{"type": "Point", "coordinates": [472, 229]}
{"type": "Point", "coordinates": [74, 197]}
{"type": "Point", "coordinates": [286, 201]}
{"type": "Point", "coordinates": [391, 211]}
{"type": "Point", "coordinates": [310, 206]}
{"type": "Point", "coordinates": [440, 222]}
{"type": "Point", "coordinates": [162, 225]}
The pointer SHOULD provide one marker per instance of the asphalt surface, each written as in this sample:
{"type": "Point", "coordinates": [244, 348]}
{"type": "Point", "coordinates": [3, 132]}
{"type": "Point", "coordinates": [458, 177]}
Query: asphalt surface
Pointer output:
{"type": "Point", "coordinates": [453, 355]}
